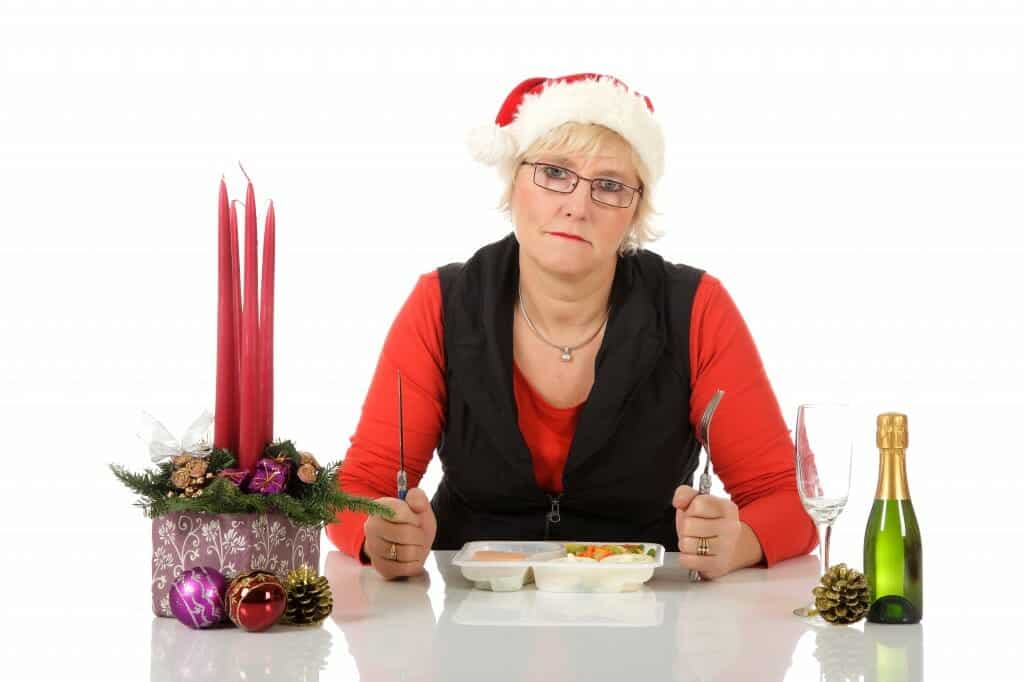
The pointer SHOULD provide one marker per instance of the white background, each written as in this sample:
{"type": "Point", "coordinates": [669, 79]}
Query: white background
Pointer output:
{"type": "Point", "coordinates": [852, 172]}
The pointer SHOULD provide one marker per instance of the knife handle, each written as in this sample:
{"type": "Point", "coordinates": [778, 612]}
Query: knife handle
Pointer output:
{"type": "Point", "coordinates": [402, 485]}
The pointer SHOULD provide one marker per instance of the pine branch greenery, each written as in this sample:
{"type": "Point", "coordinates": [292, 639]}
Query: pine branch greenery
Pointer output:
{"type": "Point", "coordinates": [309, 504]}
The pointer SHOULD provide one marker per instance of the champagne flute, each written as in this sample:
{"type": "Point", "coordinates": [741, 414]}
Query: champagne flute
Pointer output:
{"type": "Point", "coordinates": [824, 459]}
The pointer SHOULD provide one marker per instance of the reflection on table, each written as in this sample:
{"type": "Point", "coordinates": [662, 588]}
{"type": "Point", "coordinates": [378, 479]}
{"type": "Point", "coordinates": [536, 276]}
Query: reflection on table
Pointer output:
{"type": "Point", "coordinates": [436, 626]}
{"type": "Point", "coordinates": [281, 654]}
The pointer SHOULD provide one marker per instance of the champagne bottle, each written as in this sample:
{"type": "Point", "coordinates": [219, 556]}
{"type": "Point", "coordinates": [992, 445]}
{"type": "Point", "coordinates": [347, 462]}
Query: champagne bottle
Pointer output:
{"type": "Point", "coordinates": [892, 539]}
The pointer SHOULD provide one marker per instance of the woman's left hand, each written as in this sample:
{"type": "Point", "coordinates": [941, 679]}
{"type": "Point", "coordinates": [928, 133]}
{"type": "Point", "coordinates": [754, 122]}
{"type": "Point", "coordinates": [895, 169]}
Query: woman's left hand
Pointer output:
{"type": "Point", "coordinates": [707, 516]}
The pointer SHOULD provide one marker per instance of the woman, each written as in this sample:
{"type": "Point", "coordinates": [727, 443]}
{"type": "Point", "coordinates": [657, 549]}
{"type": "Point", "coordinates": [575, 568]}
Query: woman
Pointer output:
{"type": "Point", "coordinates": [560, 371]}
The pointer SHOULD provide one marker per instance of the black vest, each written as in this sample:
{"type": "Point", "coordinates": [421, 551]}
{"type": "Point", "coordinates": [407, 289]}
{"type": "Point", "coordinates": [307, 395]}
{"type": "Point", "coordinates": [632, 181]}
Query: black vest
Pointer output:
{"type": "Point", "coordinates": [633, 444]}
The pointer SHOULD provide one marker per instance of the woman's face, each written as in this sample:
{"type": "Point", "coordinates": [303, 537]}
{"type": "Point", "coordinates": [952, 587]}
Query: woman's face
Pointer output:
{"type": "Point", "coordinates": [570, 234]}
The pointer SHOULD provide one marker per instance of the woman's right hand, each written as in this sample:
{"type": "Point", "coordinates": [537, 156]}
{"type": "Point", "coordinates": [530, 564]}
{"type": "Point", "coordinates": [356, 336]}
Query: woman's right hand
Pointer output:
{"type": "Point", "coordinates": [412, 532]}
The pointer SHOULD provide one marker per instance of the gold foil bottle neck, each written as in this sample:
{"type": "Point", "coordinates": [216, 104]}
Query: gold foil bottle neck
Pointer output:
{"type": "Point", "coordinates": [892, 463]}
{"type": "Point", "coordinates": [891, 433]}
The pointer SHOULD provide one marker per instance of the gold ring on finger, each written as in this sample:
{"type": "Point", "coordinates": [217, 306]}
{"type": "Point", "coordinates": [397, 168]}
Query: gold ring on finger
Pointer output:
{"type": "Point", "coordinates": [703, 547]}
{"type": "Point", "coordinates": [392, 554]}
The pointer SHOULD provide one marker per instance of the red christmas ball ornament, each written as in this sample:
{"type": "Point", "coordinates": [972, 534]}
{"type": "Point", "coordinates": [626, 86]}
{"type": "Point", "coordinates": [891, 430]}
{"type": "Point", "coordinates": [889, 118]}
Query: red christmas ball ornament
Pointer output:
{"type": "Point", "coordinates": [256, 600]}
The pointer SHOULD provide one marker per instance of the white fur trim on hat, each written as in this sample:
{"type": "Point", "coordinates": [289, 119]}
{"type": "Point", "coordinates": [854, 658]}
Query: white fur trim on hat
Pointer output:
{"type": "Point", "coordinates": [491, 144]}
{"type": "Point", "coordinates": [591, 100]}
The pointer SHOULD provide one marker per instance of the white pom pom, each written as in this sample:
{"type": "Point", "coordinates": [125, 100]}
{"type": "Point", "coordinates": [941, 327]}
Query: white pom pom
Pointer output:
{"type": "Point", "coordinates": [491, 144]}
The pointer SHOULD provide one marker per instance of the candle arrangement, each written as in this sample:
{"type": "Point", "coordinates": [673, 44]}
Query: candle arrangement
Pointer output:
{"type": "Point", "coordinates": [246, 502]}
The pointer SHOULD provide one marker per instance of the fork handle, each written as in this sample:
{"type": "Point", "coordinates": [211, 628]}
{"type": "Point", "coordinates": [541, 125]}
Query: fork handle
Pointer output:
{"type": "Point", "coordinates": [695, 575]}
{"type": "Point", "coordinates": [705, 488]}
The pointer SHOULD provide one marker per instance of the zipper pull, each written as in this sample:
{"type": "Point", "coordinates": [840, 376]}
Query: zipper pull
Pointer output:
{"type": "Point", "coordinates": [554, 516]}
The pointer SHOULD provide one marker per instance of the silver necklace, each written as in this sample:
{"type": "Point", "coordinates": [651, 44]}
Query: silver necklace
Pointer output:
{"type": "Point", "coordinates": [566, 350]}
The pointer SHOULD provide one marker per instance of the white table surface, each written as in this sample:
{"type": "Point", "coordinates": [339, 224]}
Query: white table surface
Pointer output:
{"type": "Point", "coordinates": [438, 627]}
{"type": "Point", "coordinates": [89, 618]}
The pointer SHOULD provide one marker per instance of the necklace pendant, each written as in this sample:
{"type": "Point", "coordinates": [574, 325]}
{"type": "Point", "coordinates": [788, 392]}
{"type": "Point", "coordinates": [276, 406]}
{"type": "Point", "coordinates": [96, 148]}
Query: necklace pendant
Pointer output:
{"type": "Point", "coordinates": [566, 354]}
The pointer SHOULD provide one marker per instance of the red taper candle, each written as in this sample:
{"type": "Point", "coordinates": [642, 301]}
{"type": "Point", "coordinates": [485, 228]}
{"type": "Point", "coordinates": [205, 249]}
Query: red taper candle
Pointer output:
{"type": "Point", "coordinates": [225, 425]}
{"type": "Point", "coordinates": [250, 446]}
{"type": "Point", "coordinates": [267, 327]}
{"type": "Point", "coordinates": [236, 310]}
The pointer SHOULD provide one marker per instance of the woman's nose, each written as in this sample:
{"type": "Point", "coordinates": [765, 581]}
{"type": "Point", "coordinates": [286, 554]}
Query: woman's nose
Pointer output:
{"type": "Point", "coordinates": [578, 201]}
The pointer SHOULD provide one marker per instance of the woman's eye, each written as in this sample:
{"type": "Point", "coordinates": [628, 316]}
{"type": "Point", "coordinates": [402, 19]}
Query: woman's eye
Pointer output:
{"type": "Point", "coordinates": [553, 172]}
{"type": "Point", "coordinates": [611, 186]}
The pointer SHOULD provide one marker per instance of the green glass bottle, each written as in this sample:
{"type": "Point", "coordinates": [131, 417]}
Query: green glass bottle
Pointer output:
{"type": "Point", "coordinates": [892, 539]}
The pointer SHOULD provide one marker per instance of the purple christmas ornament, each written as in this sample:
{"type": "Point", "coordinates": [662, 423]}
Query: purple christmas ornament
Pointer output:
{"type": "Point", "coordinates": [270, 476]}
{"type": "Point", "coordinates": [197, 597]}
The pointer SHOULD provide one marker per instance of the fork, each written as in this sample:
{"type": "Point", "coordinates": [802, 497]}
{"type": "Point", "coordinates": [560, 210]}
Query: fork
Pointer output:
{"type": "Point", "coordinates": [704, 435]}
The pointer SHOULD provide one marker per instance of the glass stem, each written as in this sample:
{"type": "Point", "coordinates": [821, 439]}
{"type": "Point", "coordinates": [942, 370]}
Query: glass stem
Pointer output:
{"type": "Point", "coordinates": [828, 540]}
{"type": "Point", "coordinates": [820, 529]}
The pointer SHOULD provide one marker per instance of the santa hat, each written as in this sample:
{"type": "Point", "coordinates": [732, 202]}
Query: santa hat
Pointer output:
{"type": "Point", "coordinates": [538, 105]}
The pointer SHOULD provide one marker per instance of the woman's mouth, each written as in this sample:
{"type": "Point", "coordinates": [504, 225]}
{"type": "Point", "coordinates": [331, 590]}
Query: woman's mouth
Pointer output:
{"type": "Point", "coordinates": [566, 235]}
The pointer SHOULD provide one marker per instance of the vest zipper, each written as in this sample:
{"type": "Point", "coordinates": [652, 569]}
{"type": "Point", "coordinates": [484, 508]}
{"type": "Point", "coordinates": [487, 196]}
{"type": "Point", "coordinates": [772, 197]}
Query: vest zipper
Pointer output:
{"type": "Point", "coordinates": [553, 516]}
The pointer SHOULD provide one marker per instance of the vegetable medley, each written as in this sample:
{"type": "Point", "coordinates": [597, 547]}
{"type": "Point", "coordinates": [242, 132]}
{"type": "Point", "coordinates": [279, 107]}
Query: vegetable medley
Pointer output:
{"type": "Point", "coordinates": [599, 552]}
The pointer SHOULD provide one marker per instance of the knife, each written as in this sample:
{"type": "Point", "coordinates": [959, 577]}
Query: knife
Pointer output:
{"type": "Point", "coordinates": [402, 484]}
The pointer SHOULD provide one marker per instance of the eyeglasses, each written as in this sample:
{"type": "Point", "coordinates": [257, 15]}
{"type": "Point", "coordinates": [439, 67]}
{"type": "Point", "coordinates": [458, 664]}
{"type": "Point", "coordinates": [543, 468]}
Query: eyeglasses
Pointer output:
{"type": "Point", "coordinates": [602, 190]}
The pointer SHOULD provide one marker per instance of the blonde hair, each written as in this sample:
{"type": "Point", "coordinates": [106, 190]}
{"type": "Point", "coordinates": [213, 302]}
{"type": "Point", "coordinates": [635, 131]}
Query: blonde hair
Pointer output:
{"type": "Point", "coordinates": [587, 138]}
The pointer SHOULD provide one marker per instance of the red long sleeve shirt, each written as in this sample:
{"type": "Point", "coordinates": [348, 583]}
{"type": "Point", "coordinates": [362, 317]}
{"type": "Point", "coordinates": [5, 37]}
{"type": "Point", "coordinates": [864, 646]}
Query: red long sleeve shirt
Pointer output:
{"type": "Point", "coordinates": [753, 453]}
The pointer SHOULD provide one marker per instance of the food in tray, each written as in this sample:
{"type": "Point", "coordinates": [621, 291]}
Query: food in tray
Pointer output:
{"type": "Point", "coordinates": [602, 552]}
{"type": "Point", "coordinates": [629, 559]}
{"type": "Point", "coordinates": [492, 555]}
{"type": "Point", "coordinates": [573, 559]}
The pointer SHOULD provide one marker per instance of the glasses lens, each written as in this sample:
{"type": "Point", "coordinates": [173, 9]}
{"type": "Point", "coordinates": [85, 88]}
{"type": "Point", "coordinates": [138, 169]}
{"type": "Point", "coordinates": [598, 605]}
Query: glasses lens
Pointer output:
{"type": "Point", "coordinates": [554, 178]}
{"type": "Point", "coordinates": [611, 193]}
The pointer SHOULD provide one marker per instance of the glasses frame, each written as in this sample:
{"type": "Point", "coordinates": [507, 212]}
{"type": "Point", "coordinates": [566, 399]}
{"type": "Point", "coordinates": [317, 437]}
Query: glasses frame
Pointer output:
{"type": "Point", "coordinates": [578, 177]}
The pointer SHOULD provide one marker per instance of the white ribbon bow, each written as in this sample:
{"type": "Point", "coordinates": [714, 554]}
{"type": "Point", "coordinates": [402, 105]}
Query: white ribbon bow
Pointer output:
{"type": "Point", "coordinates": [162, 445]}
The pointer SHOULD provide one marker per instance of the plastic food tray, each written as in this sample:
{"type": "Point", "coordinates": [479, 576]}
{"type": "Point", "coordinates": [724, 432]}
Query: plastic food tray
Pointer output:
{"type": "Point", "coordinates": [541, 566]}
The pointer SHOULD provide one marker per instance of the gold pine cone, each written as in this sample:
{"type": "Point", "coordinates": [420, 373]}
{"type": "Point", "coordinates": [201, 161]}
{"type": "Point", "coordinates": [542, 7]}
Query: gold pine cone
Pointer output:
{"type": "Point", "coordinates": [180, 478]}
{"type": "Point", "coordinates": [842, 597]}
{"type": "Point", "coordinates": [309, 597]}
{"type": "Point", "coordinates": [307, 473]}
{"type": "Point", "coordinates": [197, 468]}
